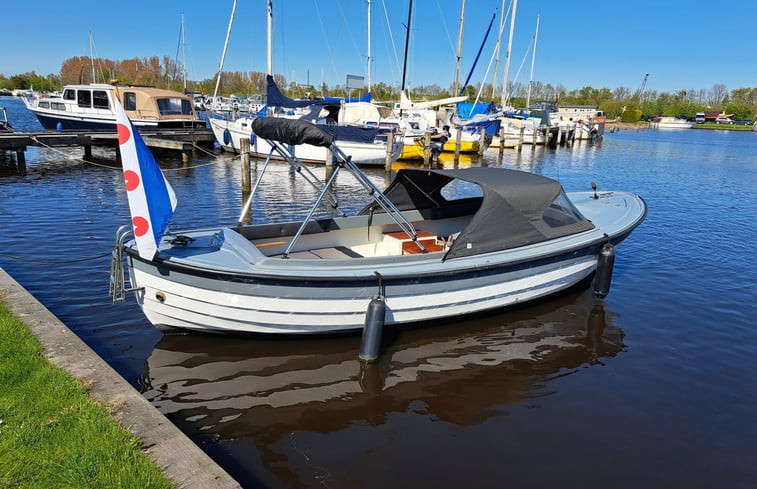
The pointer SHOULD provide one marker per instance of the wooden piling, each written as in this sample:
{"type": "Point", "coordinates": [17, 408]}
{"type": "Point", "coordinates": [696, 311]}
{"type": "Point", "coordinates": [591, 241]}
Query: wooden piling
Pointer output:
{"type": "Point", "coordinates": [21, 160]}
{"type": "Point", "coordinates": [427, 148]}
{"type": "Point", "coordinates": [329, 165]}
{"type": "Point", "coordinates": [389, 146]}
{"type": "Point", "coordinates": [520, 138]}
{"type": "Point", "coordinates": [458, 140]}
{"type": "Point", "coordinates": [244, 148]}
{"type": "Point", "coordinates": [482, 142]}
{"type": "Point", "coordinates": [501, 140]}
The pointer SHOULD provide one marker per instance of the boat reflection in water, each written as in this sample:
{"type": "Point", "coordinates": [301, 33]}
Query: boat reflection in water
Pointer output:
{"type": "Point", "coordinates": [264, 399]}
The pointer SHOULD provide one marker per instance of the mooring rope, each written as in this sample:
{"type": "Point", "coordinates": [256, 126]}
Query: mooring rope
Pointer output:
{"type": "Point", "coordinates": [111, 167]}
{"type": "Point", "coordinates": [54, 262]}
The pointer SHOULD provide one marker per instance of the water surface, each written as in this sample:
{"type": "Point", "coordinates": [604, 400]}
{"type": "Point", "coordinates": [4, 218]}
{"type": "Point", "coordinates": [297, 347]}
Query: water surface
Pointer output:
{"type": "Point", "coordinates": [651, 387]}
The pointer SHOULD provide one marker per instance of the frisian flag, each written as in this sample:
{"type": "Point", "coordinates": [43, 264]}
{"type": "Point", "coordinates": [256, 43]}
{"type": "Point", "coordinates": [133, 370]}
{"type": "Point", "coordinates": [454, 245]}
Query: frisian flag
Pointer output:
{"type": "Point", "coordinates": [151, 198]}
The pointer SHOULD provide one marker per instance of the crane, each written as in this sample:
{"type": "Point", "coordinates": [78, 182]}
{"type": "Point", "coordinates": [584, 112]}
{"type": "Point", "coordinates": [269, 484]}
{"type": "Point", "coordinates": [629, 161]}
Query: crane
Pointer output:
{"type": "Point", "coordinates": [643, 86]}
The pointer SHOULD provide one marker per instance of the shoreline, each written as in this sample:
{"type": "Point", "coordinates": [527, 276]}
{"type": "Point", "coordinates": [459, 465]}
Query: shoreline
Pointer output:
{"type": "Point", "coordinates": [180, 459]}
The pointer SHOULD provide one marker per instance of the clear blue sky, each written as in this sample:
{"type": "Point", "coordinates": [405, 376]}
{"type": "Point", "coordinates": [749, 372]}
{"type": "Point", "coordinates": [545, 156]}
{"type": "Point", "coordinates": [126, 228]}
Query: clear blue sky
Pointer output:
{"type": "Point", "coordinates": [602, 43]}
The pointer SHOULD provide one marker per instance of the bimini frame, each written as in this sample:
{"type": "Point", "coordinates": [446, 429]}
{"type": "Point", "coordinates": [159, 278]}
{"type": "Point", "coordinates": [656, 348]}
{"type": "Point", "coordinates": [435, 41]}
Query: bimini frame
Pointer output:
{"type": "Point", "coordinates": [280, 133]}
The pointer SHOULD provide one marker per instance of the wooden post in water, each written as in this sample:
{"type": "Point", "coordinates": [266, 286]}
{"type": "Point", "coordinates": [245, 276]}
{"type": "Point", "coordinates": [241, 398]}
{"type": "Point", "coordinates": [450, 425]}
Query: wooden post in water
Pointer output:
{"type": "Point", "coordinates": [427, 148]}
{"type": "Point", "coordinates": [87, 152]}
{"type": "Point", "coordinates": [244, 149]}
{"type": "Point", "coordinates": [458, 139]}
{"type": "Point", "coordinates": [21, 160]}
{"type": "Point", "coordinates": [482, 142]}
{"type": "Point", "coordinates": [329, 163]}
{"type": "Point", "coordinates": [389, 146]}
{"type": "Point", "coordinates": [533, 137]}
{"type": "Point", "coordinates": [501, 140]}
{"type": "Point", "coordinates": [520, 138]}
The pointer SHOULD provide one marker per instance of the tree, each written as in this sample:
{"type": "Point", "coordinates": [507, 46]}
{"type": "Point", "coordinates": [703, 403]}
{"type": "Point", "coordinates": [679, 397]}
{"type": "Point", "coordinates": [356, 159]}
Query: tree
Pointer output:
{"type": "Point", "coordinates": [717, 94]}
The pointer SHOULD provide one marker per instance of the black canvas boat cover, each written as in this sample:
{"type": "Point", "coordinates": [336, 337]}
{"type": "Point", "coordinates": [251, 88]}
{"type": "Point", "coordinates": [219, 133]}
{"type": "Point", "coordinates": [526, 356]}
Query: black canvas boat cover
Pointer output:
{"type": "Point", "coordinates": [517, 208]}
{"type": "Point", "coordinates": [291, 131]}
{"type": "Point", "coordinates": [277, 99]}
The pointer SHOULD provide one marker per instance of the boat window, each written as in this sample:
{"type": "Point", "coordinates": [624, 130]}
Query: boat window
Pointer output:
{"type": "Point", "coordinates": [84, 98]}
{"type": "Point", "coordinates": [174, 106]}
{"type": "Point", "coordinates": [460, 189]}
{"type": "Point", "coordinates": [100, 99]}
{"type": "Point", "coordinates": [69, 94]}
{"type": "Point", "coordinates": [43, 105]}
{"type": "Point", "coordinates": [58, 106]}
{"type": "Point", "coordinates": [130, 101]}
{"type": "Point", "coordinates": [561, 212]}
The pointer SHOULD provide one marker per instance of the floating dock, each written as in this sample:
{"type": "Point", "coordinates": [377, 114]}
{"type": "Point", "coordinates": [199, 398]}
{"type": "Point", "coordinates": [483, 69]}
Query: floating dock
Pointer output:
{"type": "Point", "coordinates": [182, 140]}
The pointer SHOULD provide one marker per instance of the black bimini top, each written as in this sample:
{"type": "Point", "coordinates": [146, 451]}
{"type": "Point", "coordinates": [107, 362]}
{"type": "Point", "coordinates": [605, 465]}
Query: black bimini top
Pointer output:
{"type": "Point", "coordinates": [517, 208]}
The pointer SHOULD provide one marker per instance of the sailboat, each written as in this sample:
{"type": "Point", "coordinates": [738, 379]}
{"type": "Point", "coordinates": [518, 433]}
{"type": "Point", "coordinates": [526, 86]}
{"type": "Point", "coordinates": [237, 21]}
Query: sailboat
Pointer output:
{"type": "Point", "coordinates": [366, 144]}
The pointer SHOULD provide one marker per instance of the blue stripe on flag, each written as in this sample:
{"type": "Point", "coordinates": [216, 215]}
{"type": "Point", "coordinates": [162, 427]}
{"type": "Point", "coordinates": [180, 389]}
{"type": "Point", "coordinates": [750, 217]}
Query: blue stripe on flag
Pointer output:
{"type": "Point", "coordinates": [156, 193]}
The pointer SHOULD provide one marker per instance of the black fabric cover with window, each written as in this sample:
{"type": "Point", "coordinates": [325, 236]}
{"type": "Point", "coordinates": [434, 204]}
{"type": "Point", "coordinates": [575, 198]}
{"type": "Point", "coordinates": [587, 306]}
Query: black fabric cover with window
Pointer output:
{"type": "Point", "coordinates": [511, 213]}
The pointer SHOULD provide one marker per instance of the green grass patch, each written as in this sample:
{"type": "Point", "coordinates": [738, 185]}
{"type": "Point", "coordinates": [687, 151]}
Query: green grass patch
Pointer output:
{"type": "Point", "coordinates": [52, 435]}
{"type": "Point", "coordinates": [724, 127]}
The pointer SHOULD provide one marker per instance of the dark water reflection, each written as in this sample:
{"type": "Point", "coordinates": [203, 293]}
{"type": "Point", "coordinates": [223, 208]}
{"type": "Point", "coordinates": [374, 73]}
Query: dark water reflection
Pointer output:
{"type": "Point", "coordinates": [295, 399]}
{"type": "Point", "coordinates": [659, 393]}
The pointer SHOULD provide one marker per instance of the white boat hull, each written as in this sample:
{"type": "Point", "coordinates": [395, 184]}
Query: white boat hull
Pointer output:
{"type": "Point", "coordinates": [229, 135]}
{"type": "Point", "coordinates": [233, 312]}
{"type": "Point", "coordinates": [223, 282]}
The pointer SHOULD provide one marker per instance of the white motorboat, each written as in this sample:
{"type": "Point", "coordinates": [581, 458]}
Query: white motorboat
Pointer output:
{"type": "Point", "coordinates": [422, 253]}
{"type": "Point", "coordinates": [672, 123]}
{"type": "Point", "coordinates": [91, 107]}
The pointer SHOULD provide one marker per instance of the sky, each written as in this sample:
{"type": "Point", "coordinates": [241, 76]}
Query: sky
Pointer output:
{"type": "Point", "coordinates": [682, 45]}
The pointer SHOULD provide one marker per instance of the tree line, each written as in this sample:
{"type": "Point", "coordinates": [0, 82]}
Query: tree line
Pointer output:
{"type": "Point", "coordinates": [167, 73]}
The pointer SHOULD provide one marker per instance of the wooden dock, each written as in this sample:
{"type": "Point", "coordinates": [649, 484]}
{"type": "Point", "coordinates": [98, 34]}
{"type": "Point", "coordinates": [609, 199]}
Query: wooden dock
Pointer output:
{"type": "Point", "coordinates": [182, 140]}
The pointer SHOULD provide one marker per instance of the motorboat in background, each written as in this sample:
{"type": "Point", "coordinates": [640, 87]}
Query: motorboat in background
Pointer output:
{"type": "Point", "coordinates": [426, 248]}
{"type": "Point", "coordinates": [588, 121]}
{"type": "Point", "coordinates": [91, 107]}
{"type": "Point", "coordinates": [671, 123]}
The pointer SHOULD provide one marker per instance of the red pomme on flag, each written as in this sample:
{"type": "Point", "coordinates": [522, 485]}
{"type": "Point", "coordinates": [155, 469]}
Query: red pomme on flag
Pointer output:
{"type": "Point", "coordinates": [151, 198]}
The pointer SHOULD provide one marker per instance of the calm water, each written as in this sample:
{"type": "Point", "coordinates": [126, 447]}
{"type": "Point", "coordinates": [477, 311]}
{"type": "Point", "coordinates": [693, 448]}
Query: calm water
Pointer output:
{"type": "Point", "coordinates": [651, 387]}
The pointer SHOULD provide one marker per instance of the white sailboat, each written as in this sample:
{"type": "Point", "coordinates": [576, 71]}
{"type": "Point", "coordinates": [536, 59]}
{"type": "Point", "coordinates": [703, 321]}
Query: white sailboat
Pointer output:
{"type": "Point", "coordinates": [366, 145]}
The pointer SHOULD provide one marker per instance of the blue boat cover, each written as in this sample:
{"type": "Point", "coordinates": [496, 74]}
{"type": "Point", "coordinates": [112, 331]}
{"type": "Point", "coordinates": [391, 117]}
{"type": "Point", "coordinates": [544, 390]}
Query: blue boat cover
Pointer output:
{"type": "Point", "coordinates": [466, 110]}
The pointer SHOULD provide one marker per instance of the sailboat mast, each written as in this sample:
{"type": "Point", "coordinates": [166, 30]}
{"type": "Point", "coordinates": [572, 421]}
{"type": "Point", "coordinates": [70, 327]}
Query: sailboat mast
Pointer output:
{"type": "Point", "coordinates": [407, 43]}
{"type": "Point", "coordinates": [533, 58]}
{"type": "Point", "coordinates": [459, 49]}
{"type": "Point", "coordinates": [225, 47]}
{"type": "Point", "coordinates": [502, 16]}
{"type": "Point", "coordinates": [505, 95]}
{"type": "Point", "coordinates": [270, 37]}
{"type": "Point", "coordinates": [183, 53]}
{"type": "Point", "coordinates": [92, 57]}
{"type": "Point", "coordinates": [369, 45]}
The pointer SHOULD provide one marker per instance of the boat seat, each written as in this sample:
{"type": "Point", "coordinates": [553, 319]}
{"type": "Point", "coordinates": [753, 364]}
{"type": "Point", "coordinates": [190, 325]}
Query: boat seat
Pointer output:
{"type": "Point", "coordinates": [326, 253]}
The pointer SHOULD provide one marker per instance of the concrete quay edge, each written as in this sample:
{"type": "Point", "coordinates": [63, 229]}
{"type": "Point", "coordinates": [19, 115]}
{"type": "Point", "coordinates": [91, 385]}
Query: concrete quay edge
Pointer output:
{"type": "Point", "coordinates": [181, 460]}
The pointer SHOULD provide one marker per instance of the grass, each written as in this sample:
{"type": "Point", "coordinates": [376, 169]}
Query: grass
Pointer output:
{"type": "Point", "coordinates": [727, 127]}
{"type": "Point", "coordinates": [52, 435]}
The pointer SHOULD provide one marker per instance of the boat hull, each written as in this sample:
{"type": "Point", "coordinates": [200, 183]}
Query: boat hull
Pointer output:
{"type": "Point", "coordinates": [190, 299]}
{"type": "Point", "coordinates": [229, 135]}
{"type": "Point", "coordinates": [51, 122]}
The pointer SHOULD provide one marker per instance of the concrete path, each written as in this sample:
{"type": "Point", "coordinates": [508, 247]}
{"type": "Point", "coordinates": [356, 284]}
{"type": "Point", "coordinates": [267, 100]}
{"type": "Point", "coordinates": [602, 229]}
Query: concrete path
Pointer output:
{"type": "Point", "coordinates": [181, 460]}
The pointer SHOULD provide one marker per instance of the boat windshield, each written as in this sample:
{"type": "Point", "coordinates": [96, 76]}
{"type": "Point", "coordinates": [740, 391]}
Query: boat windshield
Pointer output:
{"type": "Point", "coordinates": [561, 212]}
{"type": "Point", "coordinates": [174, 106]}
